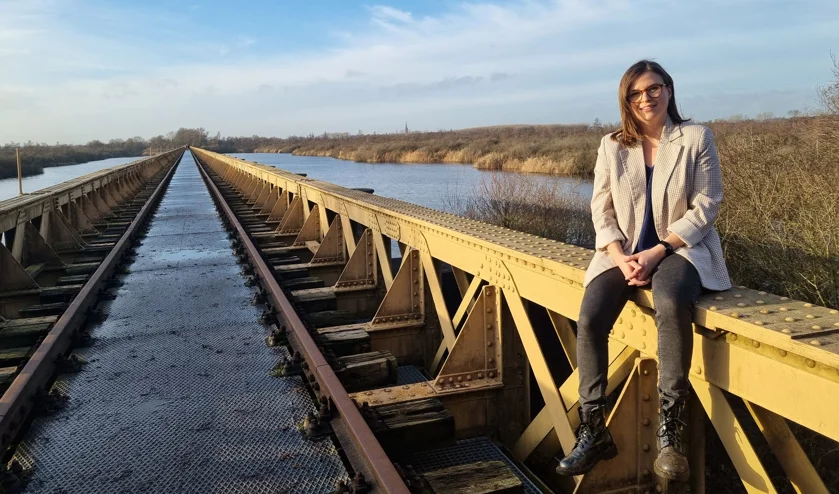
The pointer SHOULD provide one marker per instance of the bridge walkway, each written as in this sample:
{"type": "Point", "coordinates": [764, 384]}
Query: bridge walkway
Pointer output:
{"type": "Point", "coordinates": [176, 395]}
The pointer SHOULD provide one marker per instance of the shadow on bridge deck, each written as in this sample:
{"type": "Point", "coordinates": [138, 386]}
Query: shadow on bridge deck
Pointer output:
{"type": "Point", "coordinates": [176, 395]}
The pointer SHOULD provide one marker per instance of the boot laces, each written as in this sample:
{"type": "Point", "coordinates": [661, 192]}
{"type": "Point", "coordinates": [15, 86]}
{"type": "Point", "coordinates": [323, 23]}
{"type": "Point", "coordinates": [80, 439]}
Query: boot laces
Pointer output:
{"type": "Point", "coordinates": [584, 434]}
{"type": "Point", "coordinates": [670, 431]}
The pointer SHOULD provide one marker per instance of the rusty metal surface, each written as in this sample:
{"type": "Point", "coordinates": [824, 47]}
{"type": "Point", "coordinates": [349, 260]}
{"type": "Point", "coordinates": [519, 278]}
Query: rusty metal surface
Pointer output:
{"type": "Point", "coordinates": [358, 441]}
{"type": "Point", "coordinates": [177, 395]}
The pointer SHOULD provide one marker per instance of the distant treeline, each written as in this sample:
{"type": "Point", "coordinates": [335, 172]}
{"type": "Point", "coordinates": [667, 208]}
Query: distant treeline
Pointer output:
{"type": "Point", "coordinates": [35, 157]}
{"type": "Point", "coordinates": [569, 150]}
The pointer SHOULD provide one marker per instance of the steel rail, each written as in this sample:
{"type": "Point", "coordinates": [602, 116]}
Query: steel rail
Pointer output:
{"type": "Point", "coordinates": [363, 449]}
{"type": "Point", "coordinates": [31, 205]}
{"type": "Point", "coordinates": [18, 400]}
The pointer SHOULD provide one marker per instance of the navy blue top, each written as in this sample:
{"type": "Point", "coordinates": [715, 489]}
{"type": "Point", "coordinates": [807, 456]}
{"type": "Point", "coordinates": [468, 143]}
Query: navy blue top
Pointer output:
{"type": "Point", "coordinates": [649, 237]}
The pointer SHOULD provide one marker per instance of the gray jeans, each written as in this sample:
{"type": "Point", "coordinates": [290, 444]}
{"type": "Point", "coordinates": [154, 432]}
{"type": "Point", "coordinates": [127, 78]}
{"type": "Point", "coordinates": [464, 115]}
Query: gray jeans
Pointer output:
{"type": "Point", "coordinates": [676, 288]}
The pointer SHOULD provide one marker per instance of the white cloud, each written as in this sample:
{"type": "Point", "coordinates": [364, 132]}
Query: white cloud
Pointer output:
{"type": "Point", "coordinates": [147, 72]}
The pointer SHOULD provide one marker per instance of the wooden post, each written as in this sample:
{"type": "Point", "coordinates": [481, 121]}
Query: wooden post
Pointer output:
{"type": "Point", "coordinates": [19, 173]}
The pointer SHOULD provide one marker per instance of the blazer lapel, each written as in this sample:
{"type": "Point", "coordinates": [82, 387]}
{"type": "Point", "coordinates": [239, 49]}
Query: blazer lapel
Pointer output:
{"type": "Point", "coordinates": [666, 159]}
{"type": "Point", "coordinates": [632, 160]}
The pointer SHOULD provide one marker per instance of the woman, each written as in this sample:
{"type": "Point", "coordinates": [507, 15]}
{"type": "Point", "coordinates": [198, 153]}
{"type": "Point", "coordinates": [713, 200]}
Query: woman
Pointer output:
{"type": "Point", "coordinates": [657, 193]}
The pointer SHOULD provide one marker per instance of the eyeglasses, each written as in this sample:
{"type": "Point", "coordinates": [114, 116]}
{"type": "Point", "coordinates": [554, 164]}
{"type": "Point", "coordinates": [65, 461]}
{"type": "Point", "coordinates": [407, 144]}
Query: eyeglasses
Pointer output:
{"type": "Point", "coordinates": [653, 91]}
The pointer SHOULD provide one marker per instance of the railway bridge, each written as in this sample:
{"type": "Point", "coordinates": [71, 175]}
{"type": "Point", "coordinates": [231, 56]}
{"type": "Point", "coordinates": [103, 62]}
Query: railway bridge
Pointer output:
{"type": "Point", "coordinates": [194, 322]}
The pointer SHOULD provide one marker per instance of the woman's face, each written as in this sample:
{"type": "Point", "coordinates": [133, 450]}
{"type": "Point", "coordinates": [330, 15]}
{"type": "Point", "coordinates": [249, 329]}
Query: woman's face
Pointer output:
{"type": "Point", "coordinates": [648, 98]}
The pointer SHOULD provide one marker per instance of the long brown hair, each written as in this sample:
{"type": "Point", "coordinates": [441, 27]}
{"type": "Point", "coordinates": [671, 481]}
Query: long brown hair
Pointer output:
{"type": "Point", "coordinates": [630, 132]}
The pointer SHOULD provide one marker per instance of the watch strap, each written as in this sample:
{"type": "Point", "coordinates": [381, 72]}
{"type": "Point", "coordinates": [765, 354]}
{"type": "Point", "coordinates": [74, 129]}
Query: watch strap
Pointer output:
{"type": "Point", "coordinates": [668, 249]}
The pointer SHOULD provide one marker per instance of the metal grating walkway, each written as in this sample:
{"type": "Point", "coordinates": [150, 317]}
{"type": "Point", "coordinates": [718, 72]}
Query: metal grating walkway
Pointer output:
{"type": "Point", "coordinates": [177, 395]}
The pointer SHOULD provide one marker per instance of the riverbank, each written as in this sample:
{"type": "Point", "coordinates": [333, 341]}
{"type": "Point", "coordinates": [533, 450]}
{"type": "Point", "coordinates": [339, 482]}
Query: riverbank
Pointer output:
{"type": "Point", "coordinates": [562, 150]}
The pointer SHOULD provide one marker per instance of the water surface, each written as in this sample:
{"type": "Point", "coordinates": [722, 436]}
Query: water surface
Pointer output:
{"type": "Point", "coordinates": [430, 185]}
{"type": "Point", "coordinates": [56, 175]}
{"type": "Point", "coordinates": [424, 184]}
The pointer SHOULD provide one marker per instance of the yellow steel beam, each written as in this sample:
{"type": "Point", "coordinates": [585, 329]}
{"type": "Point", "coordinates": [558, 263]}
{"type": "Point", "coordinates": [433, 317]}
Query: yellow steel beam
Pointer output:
{"type": "Point", "coordinates": [769, 350]}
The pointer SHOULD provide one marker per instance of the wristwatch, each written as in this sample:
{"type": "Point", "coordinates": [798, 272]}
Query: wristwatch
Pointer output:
{"type": "Point", "coordinates": [668, 249]}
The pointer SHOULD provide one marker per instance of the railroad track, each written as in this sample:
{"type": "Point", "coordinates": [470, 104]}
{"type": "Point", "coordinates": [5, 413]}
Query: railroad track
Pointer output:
{"type": "Point", "coordinates": [56, 268]}
{"type": "Point", "coordinates": [395, 449]}
{"type": "Point", "coordinates": [437, 352]}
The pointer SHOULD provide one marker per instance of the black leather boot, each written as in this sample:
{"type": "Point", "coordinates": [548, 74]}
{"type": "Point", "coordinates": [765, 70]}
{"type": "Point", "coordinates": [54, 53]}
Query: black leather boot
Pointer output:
{"type": "Point", "coordinates": [594, 443]}
{"type": "Point", "coordinates": [671, 463]}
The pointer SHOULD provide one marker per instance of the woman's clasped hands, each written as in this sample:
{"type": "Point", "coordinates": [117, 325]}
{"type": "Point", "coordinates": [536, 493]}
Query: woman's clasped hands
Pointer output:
{"type": "Point", "coordinates": [638, 268]}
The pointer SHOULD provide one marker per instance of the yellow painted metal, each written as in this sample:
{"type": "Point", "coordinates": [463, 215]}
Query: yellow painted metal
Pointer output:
{"type": "Point", "coordinates": [771, 351]}
{"type": "Point", "coordinates": [633, 424]}
{"type": "Point", "coordinates": [467, 302]}
{"type": "Point", "coordinates": [800, 471]}
{"type": "Point", "coordinates": [738, 446]}
{"type": "Point", "coordinates": [384, 258]}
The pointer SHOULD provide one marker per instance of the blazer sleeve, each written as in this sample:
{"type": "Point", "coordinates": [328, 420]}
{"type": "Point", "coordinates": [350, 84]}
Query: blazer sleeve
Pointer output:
{"type": "Point", "coordinates": [705, 198]}
{"type": "Point", "coordinates": [602, 208]}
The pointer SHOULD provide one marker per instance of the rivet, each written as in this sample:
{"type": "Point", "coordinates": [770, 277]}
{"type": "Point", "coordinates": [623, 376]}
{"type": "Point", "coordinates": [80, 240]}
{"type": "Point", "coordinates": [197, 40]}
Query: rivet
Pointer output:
{"type": "Point", "coordinates": [646, 446]}
{"type": "Point", "coordinates": [808, 305]}
{"type": "Point", "coordinates": [489, 343]}
{"type": "Point", "coordinates": [789, 319]}
{"type": "Point", "coordinates": [816, 343]}
{"type": "Point", "coordinates": [719, 298]}
{"type": "Point", "coordinates": [810, 363]}
{"type": "Point", "coordinates": [735, 315]}
{"type": "Point", "coordinates": [646, 421]}
{"type": "Point", "coordinates": [732, 337]}
{"type": "Point", "coordinates": [810, 316]}
{"type": "Point", "coordinates": [645, 396]}
{"type": "Point", "coordinates": [759, 302]}
{"type": "Point", "coordinates": [759, 323]}
{"type": "Point", "coordinates": [623, 335]}
{"type": "Point", "coordinates": [756, 344]}
{"type": "Point", "coordinates": [765, 311]}
{"type": "Point", "coordinates": [643, 346]}
{"type": "Point", "coordinates": [658, 488]}
{"type": "Point", "coordinates": [451, 380]}
{"type": "Point", "coordinates": [713, 307]}
{"type": "Point", "coordinates": [786, 331]}
{"type": "Point", "coordinates": [817, 327]}
{"type": "Point", "coordinates": [489, 309]}
{"type": "Point", "coordinates": [480, 375]}
{"type": "Point", "coordinates": [782, 353]}
{"type": "Point", "coordinates": [783, 309]}
{"type": "Point", "coordinates": [646, 372]}
{"type": "Point", "coordinates": [697, 370]}
{"type": "Point", "coordinates": [834, 311]}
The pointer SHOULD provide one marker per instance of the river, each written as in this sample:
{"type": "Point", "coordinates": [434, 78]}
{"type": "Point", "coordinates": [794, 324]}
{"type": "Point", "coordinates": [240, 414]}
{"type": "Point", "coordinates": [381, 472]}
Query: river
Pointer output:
{"type": "Point", "coordinates": [430, 185]}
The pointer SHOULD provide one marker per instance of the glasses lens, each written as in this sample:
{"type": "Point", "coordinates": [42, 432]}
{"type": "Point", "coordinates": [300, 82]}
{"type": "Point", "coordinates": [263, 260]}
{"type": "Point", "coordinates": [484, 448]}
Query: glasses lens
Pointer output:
{"type": "Point", "coordinates": [654, 91]}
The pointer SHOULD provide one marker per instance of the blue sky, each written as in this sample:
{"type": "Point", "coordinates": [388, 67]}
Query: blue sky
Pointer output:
{"type": "Point", "coordinates": [76, 70]}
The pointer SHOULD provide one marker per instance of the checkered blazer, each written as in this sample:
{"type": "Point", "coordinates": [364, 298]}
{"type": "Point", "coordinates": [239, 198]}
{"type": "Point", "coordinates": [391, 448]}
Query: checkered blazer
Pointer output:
{"type": "Point", "coordinates": [687, 192]}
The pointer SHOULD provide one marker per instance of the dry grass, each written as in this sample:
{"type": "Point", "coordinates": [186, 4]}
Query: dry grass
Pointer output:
{"type": "Point", "coordinates": [522, 203]}
{"type": "Point", "coordinates": [548, 149]}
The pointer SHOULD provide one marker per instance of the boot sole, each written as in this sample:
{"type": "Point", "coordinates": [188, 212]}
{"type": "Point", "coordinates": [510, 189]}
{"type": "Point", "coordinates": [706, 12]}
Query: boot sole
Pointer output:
{"type": "Point", "coordinates": [607, 454]}
{"type": "Point", "coordinates": [669, 476]}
